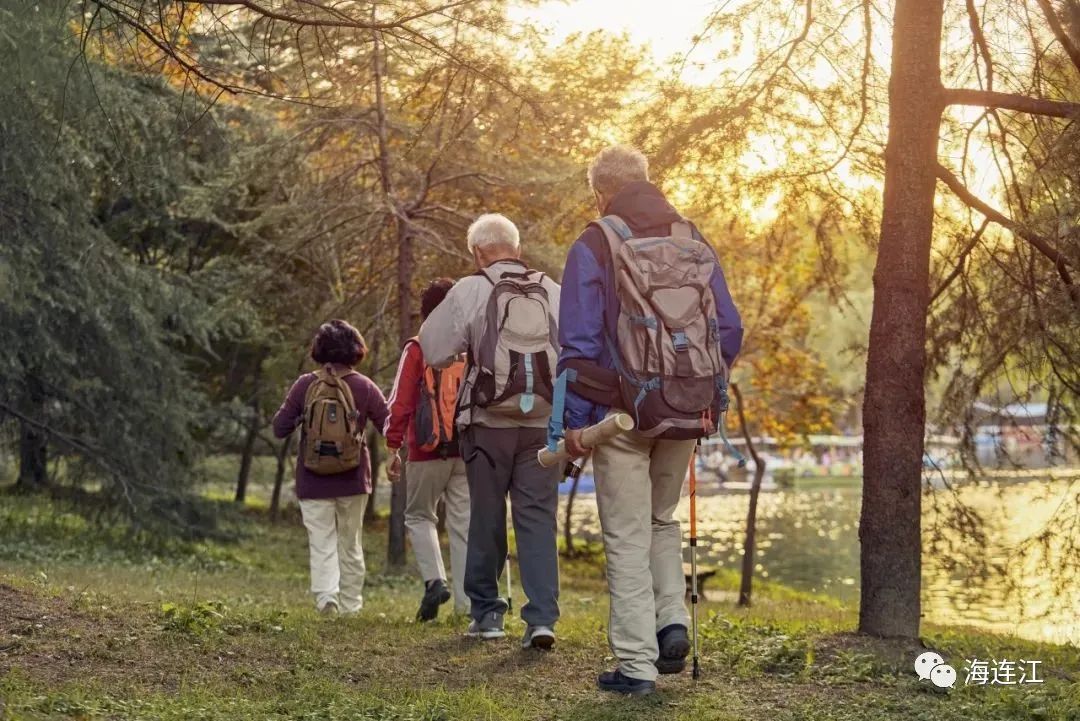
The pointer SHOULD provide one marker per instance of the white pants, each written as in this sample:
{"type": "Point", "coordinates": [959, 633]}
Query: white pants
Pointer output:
{"type": "Point", "coordinates": [427, 482]}
{"type": "Point", "coordinates": [337, 558]}
{"type": "Point", "coordinates": [638, 484]}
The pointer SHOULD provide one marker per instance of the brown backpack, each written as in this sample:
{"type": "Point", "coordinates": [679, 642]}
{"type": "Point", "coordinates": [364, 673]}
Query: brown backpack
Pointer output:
{"type": "Point", "coordinates": [333, 441]}
{"type": "Point", "coordinates": [671, 374]}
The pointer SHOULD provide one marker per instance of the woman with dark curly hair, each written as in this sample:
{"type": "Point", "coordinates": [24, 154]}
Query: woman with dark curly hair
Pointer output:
{"type": "Point", "coordinates": [333, 477]}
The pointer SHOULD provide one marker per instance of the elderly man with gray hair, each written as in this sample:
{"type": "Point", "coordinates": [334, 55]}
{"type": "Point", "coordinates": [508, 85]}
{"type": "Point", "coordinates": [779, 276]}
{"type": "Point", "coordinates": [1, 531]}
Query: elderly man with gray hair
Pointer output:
{"type": "Point", "coordinates": [504, 319]}
{"type": "Point", "coordinates": [647, 327]}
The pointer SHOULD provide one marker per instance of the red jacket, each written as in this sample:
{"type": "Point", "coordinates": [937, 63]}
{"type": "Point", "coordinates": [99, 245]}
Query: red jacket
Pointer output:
{"type": "Point", "coordinates": [403, 401]}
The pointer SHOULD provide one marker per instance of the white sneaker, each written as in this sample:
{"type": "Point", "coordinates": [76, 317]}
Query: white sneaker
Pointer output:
{"type": "Point", "coordinates": [541, 637]}
{"type": "Point", "coordinates": [330, 608]}
{"type": "Point", "coordinates": [489, 627]}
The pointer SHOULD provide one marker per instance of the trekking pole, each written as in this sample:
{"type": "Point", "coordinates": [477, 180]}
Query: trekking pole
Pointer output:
{"type": "Point", "coordinates": [696, 673]}
{"type": "Point", "coordinates": [509, 585]}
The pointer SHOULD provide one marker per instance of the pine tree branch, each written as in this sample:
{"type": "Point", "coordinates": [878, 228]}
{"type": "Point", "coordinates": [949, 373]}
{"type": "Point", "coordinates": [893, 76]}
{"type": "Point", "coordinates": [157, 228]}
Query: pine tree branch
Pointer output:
{"type": "Point", "coordinates": [961, 259]}
{"type": "Point", "coordinates": [1011, 101]}
{"type": "Point", "coordinates": [981, 45]}
{"type": "Point", "coordinates": [1059, 31]}
{"type": "Point", "coordinates": [1037, 241]}
{"type": "Point", "coordinates": [305, 13]}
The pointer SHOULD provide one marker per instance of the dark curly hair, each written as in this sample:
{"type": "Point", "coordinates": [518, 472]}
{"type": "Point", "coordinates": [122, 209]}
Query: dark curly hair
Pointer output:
{"type": "Point", "coordinates": [433, 295]}
{"type": "Point", "coordinates": [338, 342]}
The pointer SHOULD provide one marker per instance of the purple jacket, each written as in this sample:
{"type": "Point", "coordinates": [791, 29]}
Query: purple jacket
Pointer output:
{"type": "Point", "coordinates": [370, 404]}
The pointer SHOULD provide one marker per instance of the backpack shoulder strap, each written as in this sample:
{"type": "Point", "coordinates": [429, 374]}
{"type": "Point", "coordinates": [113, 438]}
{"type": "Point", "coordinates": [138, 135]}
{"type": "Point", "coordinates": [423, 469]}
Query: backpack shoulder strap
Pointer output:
{"type": "Point", "coordinates": [309, 394]}
{"type": "Point", "coordinates": [337, 382]}
{"type": "Point", "coordinates": [617, 225]}
{"type": "Point", "coordinates": [616, 232]}
{"type": "Point", "coordinates": [345, 390]}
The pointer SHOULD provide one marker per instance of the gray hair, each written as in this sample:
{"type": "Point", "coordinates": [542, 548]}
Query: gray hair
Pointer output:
{"type": "Point", "coordinates": [493, 229]}
{"type": "Point", "coordinates": [615, 167]}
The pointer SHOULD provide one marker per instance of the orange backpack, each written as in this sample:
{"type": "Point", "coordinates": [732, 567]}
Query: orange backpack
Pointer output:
{"type": "Point", "coordinates": [437, 408]}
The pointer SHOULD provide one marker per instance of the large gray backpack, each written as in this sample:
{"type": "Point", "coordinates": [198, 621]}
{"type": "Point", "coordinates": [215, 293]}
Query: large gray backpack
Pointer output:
{"type": "Point", "coordinates": [672, 376]}
{"type": "Point", "coordinates": [511, 371]}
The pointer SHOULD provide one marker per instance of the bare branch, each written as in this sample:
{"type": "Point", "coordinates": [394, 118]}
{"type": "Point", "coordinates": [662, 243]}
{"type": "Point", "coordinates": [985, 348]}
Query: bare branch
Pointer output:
{"type": "Point", "coordinates": [980, 42]}
{"type": "Point", "coordinates": [1040, 243]}
{"type": "Point", "coordinates": [961, 259]}
{"type": "Point", "coordinates": [1010, 101]}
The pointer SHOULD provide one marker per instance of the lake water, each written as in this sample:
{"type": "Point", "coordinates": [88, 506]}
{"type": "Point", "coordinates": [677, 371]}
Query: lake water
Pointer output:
{"type": "Point", "coordinates": [977, 570]}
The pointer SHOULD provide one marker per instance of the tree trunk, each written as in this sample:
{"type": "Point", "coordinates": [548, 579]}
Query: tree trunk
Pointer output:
{"type": "Point", "coordinates": [248, 452]}
{"type": "Point", "coordinates": [33, 443]}
{"type": "Point", "coordinates": [376, 464]}
{"type": "Point", "coordinates": [395, 547]}
{"type": "Point", "coordinates": [254, 424]}
{"type": "Point", "coordinates": [749, 542]}
{"type": "Point", "coordinates": [33, 454]}
{"type": "Point", "coordinates": [395, 551]}
{"type": "Point", "coordinates": [894, 408]}
{"type": "Point", "coordinates": [279, 479]}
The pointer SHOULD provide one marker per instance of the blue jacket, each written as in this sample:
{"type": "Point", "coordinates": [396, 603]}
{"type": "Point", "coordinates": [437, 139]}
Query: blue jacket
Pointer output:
{"type": "Point", "coordinates": [589, 307]}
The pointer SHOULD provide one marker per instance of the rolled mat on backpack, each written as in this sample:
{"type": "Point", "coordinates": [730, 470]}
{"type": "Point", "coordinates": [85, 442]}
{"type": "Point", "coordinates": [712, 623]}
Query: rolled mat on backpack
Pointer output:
{"type": "Point", "coordinates": [591, 437]}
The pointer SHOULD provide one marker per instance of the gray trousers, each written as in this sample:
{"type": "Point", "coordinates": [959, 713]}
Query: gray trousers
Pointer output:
{"type": "Point", "coordinates": [428, 481]}
{"type": "Point", "coordinates": [502, 461]}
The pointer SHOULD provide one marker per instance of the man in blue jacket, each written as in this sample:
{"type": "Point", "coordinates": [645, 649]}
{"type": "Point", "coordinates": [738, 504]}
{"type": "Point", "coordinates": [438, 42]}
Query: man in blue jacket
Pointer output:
{"type": "Point", "coordinates": [638, 479]}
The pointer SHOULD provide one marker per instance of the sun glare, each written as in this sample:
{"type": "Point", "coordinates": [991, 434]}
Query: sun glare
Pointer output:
{"type": "Point", "coordinates": [666, 26]}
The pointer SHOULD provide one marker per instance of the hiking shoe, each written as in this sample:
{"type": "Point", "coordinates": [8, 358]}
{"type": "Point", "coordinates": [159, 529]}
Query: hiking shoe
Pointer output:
{"type": "Point", "coordinates": [490, 626]}
{"type": "Point", "coordinates": [615, 682]}
{"type": "Point", "coordinates": [330, 608]}
{"type": "Point", "coordinates": [435, 595]}
{"type": "Point", "coordinates": [674, 646]}
{"type": "Point", "coordinates": [541, 637]}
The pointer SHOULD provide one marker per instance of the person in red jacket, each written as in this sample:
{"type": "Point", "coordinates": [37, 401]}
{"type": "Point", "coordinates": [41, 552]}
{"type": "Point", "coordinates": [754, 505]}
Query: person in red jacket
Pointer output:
{"type": "Point", "coordinates": [433, 473]}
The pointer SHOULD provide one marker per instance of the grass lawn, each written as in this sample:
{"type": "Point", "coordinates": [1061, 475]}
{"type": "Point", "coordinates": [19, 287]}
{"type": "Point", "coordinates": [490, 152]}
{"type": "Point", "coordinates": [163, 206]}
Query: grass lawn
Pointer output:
{"type": "Point", "coordinates": [100, 625]}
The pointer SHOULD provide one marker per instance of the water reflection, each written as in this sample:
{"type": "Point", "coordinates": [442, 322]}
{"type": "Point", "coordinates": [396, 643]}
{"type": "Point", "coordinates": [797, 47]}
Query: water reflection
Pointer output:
{"type": "Point", "coordinates": [808, 539]}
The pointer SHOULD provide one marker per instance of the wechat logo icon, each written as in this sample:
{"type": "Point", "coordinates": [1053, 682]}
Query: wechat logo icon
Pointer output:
{"type": "Point", "coordinates": [930, 666]}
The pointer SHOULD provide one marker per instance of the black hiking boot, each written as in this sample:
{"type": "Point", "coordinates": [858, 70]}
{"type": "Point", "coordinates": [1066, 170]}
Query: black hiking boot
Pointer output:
{"type": "Point", "coordinates": [674, 646]}
{"type": "Point", "coordinates": [435, 595]}
{"type": "Point", "coordinates": [615, 682]}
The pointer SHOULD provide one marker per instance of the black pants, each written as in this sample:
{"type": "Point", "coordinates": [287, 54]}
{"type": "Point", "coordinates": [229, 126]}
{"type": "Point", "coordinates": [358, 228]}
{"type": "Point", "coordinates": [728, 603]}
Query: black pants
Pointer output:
{"type": "Point", "coordinates": [502, 461]}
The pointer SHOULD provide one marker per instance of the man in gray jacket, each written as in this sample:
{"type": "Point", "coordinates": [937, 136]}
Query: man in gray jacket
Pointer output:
{"type": "Point", "coordinates": [504, 318]}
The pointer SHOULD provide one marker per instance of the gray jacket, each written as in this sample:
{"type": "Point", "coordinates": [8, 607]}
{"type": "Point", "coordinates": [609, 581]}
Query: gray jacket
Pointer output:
{"type": "Point", "coordinates": [457, 325]}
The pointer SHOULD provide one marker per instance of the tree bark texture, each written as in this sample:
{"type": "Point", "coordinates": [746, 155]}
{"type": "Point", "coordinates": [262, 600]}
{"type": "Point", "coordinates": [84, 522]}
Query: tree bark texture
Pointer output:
{"type": "Point", "coordinates": [894, 407]}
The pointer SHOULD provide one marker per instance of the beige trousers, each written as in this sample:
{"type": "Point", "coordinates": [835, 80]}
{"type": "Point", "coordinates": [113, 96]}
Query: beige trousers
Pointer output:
{"type": "Point", "coordinates": [336, 556]}
{"type": "Point", "coordinates": [427, 482]}
{"type": "Point", "coordinates": [638, 484]}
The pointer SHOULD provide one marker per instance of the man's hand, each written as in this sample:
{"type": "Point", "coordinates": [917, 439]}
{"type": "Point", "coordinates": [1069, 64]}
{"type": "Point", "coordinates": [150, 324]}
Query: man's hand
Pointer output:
{"type": "Point", "coordinates": [393, 470]}
{"type": "Point", "coordinates": [574, 446]}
